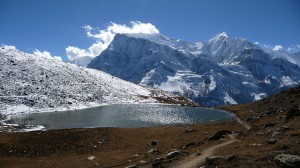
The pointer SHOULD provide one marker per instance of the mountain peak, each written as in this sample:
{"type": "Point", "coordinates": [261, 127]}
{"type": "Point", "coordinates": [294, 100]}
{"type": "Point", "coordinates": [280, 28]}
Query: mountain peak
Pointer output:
{"type": "Point", "coordinates": [220, 36]}
{"type": "Point", "coordinates": [223, 34]}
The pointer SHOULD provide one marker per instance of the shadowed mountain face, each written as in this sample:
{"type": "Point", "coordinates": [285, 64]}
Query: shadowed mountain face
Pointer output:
{"type": "Point", "coordinates": [221, 71]}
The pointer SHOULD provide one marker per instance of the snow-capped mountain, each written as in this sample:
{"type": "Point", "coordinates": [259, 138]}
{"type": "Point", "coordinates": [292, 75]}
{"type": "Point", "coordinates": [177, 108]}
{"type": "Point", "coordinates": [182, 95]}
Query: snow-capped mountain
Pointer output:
{"type": "Point", "coordinates": [221, 71]}
{"type": "Point", "coordinates": [31, 83]}
{"type": "Point", "coordinates": [222, 48]}
{"type": "Point", "coordinates": [291, 57]}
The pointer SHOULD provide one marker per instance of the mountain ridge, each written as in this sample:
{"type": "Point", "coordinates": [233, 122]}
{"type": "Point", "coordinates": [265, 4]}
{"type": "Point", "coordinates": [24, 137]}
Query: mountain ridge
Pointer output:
{"type": "Point", "coordinates": [221, 71]}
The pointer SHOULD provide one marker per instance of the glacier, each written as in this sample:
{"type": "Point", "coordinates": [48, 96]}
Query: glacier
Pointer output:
{"type": "Point", "coordinates": [221, 71]}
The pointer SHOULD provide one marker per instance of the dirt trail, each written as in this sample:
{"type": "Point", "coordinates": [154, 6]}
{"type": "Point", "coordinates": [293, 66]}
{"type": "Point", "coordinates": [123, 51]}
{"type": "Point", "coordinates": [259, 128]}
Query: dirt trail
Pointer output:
{"type": "Point", "coordinates": [193, 160]}
{"type": "Point", "coordinates": [244, 123]}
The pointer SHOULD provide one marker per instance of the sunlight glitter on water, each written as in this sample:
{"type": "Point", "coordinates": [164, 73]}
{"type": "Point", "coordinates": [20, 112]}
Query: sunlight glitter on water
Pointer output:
{"type": "Point", "coordinates": [123, 115]}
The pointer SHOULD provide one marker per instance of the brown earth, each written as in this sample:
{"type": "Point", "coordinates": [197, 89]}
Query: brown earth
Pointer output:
{"type": "Point", "coordinates": [121, 147]}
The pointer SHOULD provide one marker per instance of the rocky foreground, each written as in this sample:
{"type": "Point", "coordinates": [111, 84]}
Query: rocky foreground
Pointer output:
{"type": "Point", "coordinates": [267, 134]}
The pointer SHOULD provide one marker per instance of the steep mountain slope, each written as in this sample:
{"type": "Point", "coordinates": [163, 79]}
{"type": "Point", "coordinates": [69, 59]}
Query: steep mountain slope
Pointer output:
{"type": "Point", "coordinates": [30, 83]}
{"type": "Point", "coordinates": [222, 48]}
{"type": "Point", "coordinates": [291, 57]}
{"type": "Point", "coordinates": [222, 71]}
{"type": "Point", "coordinates": [132, 58]}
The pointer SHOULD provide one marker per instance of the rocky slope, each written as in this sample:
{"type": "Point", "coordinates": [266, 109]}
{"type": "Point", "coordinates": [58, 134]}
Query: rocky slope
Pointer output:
{"type": "Point", "coordinates": [30, 84]}
{"type": "Point", "coordinates": [221, 71]}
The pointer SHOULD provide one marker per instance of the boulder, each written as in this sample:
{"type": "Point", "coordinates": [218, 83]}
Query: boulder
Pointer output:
{"type": "Point", "coordinates": [293, 112]}
{"type": "Point", "coordinates": [153, 143]}
{"type": "Point", "coordinates": [173, 154]}
{"type": "Point", "coordinates": [153, 150]}
{"type": "Point", "coordinates": [190, 130]}
{"type": "Point", "coordinates": [283, 129]}
{"type": "Point", "coordinates": [271, 112]}
{"type": "Point", "coordinates": [142, 161]}
{"type": "Point", "coordinates": [214, 161]}
{"type": "Point", "coordinates": [218, 135]}
{"type": "Point", "coordinates": [276, 133]}
{"type": "Point", "coordinates": [91, 158]}
{"type": "Point", "coordinates": [287, 161]}
{"type": "Point", "coordinates": [269, 125]}
{"type": "Point", "coordinates": [231, 157]}
{"type": "Point", "coordinates": [271, 141]}
{"type": "Point", "coordinates": [157, 164]}
{"type": "Point", "coordinates": [194, 144]}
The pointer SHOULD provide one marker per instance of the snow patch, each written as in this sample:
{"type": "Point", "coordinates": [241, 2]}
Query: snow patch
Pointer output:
{"type": "Point", "coordinates": [247, 83]}
{"type": "Point", "coordinates": [286, 80]}
{"type": "Point", "coordinates": [147, 77]}
{"type": "Point", "coordinates": [267, 81]}
{"type": "Point", "coordinates": [212, 84]}
{"type": "Point", "coordinates": [228, 99]}
{"type": "Point", "coordinates": [258, 96]}
{"type": "Point", "coordinates": [174, 84]}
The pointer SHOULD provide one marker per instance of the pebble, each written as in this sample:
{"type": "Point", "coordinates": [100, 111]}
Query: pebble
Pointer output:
{"type": "Point", "coordinates": [154, 150]}
{"type": "Point", "coordinates": [190, 130]}
{"type": "Point", "coordinates": [136, 155]}
{"type": "Point", "coordinates": [91, 158]}
{"type": "Point", "coordinates": [142, 161]}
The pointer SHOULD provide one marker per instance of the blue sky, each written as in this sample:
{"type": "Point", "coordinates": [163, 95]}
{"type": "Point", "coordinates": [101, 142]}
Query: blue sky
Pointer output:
{"type": "Point", "coordinates": [53, 25]}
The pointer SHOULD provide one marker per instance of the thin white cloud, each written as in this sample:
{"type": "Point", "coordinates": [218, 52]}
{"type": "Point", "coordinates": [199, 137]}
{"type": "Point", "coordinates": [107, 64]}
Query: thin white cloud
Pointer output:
{"type": "Point", "coordinates": [277, 48]}
{"type": "Point", "coordinates": [46, 54]}
{"type": "Point", "coordinates": [294, 48]}
{"type": "Point", "coordinates": [290, 49]}
{"type": "Point", "coordinates": [103, 37]}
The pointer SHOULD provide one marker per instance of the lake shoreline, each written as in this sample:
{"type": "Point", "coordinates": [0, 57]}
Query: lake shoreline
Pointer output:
{"type": "Point", "coordinates": [20, 110]}
{"type": "Point", "coordinates": [133, 116]}
{"type": "Point", "coordinates": [273, 130]}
